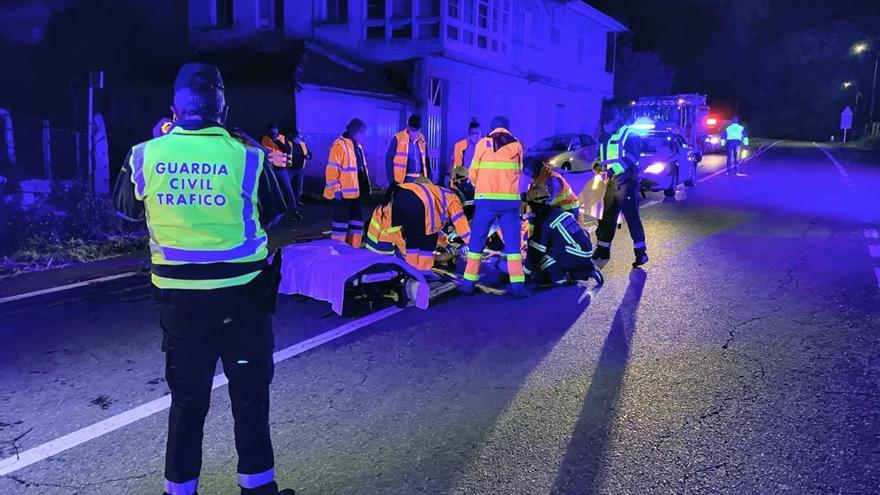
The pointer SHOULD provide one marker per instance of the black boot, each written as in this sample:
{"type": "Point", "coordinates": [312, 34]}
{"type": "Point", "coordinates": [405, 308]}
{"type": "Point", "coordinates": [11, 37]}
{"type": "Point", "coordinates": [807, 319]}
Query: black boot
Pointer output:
{"type": "Point", "coordinates": [641, 257]}
{"type": "Point", "coordinates": [601, 253]}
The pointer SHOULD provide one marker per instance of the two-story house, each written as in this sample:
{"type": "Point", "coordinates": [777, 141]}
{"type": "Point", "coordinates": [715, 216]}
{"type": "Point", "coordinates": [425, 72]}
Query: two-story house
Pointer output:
{"type": "Point", "coordinates": [546, 64]}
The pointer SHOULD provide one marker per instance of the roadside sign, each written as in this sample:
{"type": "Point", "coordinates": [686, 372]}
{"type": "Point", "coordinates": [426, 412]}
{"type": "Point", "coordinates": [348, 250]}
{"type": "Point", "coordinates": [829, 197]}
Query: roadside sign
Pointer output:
{"type": "Point", "coordinates": [846, 118]}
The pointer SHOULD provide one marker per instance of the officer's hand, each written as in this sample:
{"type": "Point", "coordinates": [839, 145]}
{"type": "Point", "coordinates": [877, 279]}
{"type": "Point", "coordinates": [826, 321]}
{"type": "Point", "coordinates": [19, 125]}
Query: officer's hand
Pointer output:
{"type": "Point", "coordinates": [597, 167]}
{"type": "Point", "coordinates": [337, 196]}
{"type": "Point", "coordinates": [279, 159]}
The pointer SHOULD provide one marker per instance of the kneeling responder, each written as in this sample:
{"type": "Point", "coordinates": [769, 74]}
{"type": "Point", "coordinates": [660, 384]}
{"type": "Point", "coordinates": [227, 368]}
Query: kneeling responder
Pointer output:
{"type": "Point", "coordinates": [496, 171]}
{"type": "Point", "coordinates": [559, 251]}
{"type": "Point", "coordinates": [346, 182]}
{"type": "Point", "coordinates": [562, 196]}
{"type": "Point", "coordinates": [461, 184]}
{"type": "Point", "coordinates": [619, 156]}
{"type": "Point", "coordinates": [411, 219]}
{"type": "Point", "coordinates": [216, 291]}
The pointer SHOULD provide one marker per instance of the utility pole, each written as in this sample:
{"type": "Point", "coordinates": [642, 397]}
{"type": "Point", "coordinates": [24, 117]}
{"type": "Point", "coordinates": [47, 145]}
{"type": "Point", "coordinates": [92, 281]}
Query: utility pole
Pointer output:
{"type": "Point", "coordinates": [96, 80]}
{"type": "Point", "coordinates": [873, 89]}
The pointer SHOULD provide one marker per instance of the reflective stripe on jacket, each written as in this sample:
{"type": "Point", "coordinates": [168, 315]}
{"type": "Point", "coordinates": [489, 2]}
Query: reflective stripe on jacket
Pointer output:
{"type": "Point", "coordinates": [270, 143]}
{"type": "Point", "coordinates": [497, 166]}
{"type": "Point", "coordinates": [442, 206]}
{"type": "Point", "coordinates": [341, 173]}
{"type": "Point", "coordinates": [561, 193]}
{"type": "Point", "coordinates": [382, 237]}
{"type": "Point", "coordinates": [199, 189]}
{"type": "Point", "coordinates": [401, 156]}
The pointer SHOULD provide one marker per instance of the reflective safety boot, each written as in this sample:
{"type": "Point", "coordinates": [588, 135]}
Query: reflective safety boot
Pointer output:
{"type": "Point", "coordinates": [601, 253]}
{"type": "Point", "coordinates": [519, 291]}
{"type": "Point", "coordinates": [641, 257]}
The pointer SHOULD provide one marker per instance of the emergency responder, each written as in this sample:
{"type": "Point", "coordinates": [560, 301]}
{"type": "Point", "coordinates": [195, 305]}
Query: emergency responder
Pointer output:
{"type": "Point", "coordinates": [561, 194]}
{"type": "Point", "coordinates": [347, 182]}
{"type": "Point", "coordinates": [733, 138]}
{"type": "Point", "coordinates": [206, 197]}
{"type": "Point", "coordinates": [461, 184]}
{"type": "Point", "coordinates": [619, 156]}
{"type": "Point", "coordinates": [300, 155]}
{"type": "Point", "coordinates": [463, 151]}
{"type": "Point", "coordinates": [274, 141]}
{"type": "Point", "coordinates": [411, 220]}
{"type": "Point", "coordinates": [559, 251]}
{"type": "Point", "coordinates": [496, 172]}
{"type": "Point", "coordinates": [406, 159]}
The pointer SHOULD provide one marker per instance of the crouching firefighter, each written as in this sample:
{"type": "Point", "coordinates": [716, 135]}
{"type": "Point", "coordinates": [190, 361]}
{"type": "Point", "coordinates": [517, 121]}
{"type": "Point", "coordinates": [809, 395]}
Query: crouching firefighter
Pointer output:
{"type": "Point", "coordinates": [559, 251]}
{"type": "Point", "coordinates": [562, 196]}
{"type": "Point", "coordinates": [410, 221]}
{"type": "Point", "coordinates": [619, 157]}
{"type": "Point", "coordinates": [216, 290]}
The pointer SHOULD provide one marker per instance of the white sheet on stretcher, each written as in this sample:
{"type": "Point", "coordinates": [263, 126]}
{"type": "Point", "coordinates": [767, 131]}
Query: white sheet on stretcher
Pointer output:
{"type": "Point", "coordinates": [319, 269]}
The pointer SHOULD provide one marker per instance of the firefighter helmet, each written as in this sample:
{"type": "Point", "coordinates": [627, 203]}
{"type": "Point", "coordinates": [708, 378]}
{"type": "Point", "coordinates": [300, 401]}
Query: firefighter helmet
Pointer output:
{"type": "Point", "coordinates": [459, 173]}
{"type": "Point", "coordinates": [538, 194]}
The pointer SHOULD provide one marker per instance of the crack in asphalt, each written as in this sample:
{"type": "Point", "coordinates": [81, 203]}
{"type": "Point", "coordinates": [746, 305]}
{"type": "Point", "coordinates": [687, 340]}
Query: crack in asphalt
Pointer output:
{"type": "Point", "coordinates": [77, 488]}
{"type": "Point", "coordinates": [736, 327]}
{"type": "Point", "coordinates": [14, 442]}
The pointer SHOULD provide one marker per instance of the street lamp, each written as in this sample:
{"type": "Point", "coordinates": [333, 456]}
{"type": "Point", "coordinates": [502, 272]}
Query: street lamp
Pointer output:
{"type": "Point", "coordinates": [847, 84]}
{"type": "Point", "coordinates": [858, 49]}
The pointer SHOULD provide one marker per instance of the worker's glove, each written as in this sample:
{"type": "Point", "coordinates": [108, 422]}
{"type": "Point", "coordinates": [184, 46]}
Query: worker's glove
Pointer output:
{"type": "Point", "coordinates": [597, 167]}
{"type": "Point", "coordinates": [463, 250]}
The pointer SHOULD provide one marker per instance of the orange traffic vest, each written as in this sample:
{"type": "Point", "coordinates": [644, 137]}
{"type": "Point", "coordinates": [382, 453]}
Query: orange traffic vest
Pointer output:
{"type": "Point", "coordinates": [458, 152]}
{"type": "Point", "coordinates": [382, 237]}
{"type": "Point", "coordinates": [400, 157]}
{"type": "Point", "coordinates": [562, 195]}
{"type": "Point", "coordinates": [341, 173]}
{"type": "Point", "coordinates": [268, 142]}
{"type": "Point", "coordinates": [496, 173]}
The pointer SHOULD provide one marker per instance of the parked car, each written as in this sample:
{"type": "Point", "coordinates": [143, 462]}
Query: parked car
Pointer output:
{"type": "Point", "coordinates": [666, 161]}
{"type": "Point", "coordinates": [570, 152]}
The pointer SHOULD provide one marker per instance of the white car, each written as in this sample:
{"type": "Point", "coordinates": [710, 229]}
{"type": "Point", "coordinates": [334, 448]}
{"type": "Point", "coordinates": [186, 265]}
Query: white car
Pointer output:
{"type": "Point", "coordinates": [569, 152]}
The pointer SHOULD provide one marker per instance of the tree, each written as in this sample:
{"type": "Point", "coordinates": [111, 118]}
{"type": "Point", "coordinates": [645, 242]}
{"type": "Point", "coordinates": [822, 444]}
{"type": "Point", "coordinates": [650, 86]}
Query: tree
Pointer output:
{"type": "Point", "coordinates": [641, 73]}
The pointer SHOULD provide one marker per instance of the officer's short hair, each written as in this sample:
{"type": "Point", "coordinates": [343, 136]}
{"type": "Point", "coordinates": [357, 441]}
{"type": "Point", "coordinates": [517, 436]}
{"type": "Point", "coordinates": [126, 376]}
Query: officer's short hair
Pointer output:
{"type": "Point", "coordinates": [500, 121]}
{"type": "Point", "coordinates": [207, 103]}
{"type": "Point", "coordinates": [414, 121]}
{"type": "Point", "coordinates": [610, 113]}
{"type": "Point", "coordinates": [355, 125]}
{"type": "Point", "coordinates": [474, 124]}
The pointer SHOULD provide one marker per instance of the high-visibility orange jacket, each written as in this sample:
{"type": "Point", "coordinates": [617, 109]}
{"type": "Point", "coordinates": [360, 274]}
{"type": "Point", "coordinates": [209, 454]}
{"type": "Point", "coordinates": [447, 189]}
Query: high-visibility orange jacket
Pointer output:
{"type": "Point", "coordinates": [561, 193]}
{"type": "Point", "coordinates": [341, 173]}
{"type": "Point", "coordinates": [401, 155]}
{"type": "Point", "coordinates": [458, 152]}
{"type": "Point", "coordinates": [497, 166]}
{"type": "Point", "coordinates": [270, 143]}
{"type": "Point", "coordinates": [442, 206]}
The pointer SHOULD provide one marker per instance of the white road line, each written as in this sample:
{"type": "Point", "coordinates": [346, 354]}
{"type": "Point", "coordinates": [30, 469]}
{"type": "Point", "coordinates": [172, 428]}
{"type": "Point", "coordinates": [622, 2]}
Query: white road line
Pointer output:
{"type": "Point", "coordinates": [60, 288]}
{"type": "Point", "coordinates": [101, 428]}
{"type": "Point", "coordinates": [877, 272]}
{"type": "Point", "coordinates": [650, 203]}
{"type": "Point", "coordinates": [748, 158]}
{"type": "Point", "coordinates": [842, 171]}
{"type": "Point", "coordinates": [874, 249]}
{"type": "Point", "coordinates": [872, 234]}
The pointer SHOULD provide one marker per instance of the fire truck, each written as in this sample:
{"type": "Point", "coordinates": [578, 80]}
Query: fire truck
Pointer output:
{"type": "Point", "coordinates": [687, 114]}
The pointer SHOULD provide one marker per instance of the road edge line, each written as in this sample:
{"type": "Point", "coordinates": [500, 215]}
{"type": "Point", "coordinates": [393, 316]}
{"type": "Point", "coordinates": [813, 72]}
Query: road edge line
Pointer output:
{"type": "Point", "coordinates": [52, 290]}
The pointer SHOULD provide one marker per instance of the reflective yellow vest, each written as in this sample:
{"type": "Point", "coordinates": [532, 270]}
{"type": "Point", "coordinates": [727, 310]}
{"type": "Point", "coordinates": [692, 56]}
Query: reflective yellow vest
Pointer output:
{"type": "Point", "coordinates": [199, 189]}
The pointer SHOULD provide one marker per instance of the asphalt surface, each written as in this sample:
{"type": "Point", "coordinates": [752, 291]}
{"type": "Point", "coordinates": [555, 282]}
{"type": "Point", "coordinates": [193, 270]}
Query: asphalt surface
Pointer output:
{"type": "Point", "coordinates": [742, 359]}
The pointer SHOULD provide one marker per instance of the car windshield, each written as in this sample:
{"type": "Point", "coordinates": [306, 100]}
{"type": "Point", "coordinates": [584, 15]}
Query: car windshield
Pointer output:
{"type": "Point", "coordinates": [658, 143]}
{"type": "Point", "coordinates": [555, 143]}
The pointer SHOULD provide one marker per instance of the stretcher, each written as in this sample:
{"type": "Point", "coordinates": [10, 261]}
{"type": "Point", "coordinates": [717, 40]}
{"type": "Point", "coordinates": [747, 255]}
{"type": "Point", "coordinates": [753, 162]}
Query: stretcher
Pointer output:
{"type": "Point", "coordinates": [353, 281]}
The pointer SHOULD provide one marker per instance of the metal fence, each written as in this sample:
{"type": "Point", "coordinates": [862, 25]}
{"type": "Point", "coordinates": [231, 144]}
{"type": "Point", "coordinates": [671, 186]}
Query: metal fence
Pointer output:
{"type": "Point", "coordinates": [35, 148]}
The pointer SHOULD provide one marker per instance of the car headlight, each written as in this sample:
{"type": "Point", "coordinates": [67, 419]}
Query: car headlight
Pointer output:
{"type": "Point", "coordinates": [553, 161]}
{"type": "Point", "coordinates": [714, 139]}
{"type": "Point", "coordinates": [655, 168]}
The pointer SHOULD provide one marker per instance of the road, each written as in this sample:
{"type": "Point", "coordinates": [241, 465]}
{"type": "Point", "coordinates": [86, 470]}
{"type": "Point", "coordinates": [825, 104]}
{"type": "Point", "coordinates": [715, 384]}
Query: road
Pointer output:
{"type": "Point", "coordinates": [742, 359]}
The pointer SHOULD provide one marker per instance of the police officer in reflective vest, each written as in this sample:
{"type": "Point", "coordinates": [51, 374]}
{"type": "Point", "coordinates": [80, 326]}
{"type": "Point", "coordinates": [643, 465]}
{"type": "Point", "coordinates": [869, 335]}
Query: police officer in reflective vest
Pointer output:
{"type": "Point", "coordinates": [496, 173]}
{"type": "Point", "coordinates": [734, 138]}
{"type": "Point", "coordinates": [406, 158]}
{"type": "Point", "coordinates": [619, 157]}
{"type": "Point", "coordinates": [207, 198]}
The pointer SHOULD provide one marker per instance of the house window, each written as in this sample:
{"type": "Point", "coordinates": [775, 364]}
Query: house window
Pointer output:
{"type": "Point", "coordinates": [429, 31]}
{"type": "Point", "coordinates": [482, 42]}
{"type": "Point", "coordinates": [452, 32]}
{"type": "Point", "coordinates": [453, 9]}
{"type": "Point", "coordinates": [265, 16]}
{"type": "Point", "coordinates": [224, 14]}
{"type": "Point", "coordinates": [429, 8]}
{"type": "Point", "coordinates": [376, 32]}
{"type": "Point", "coordinates": [279, 15]}
{"type": "Point", "coordinates": [402, 32]}
{"type": "Point", "coordinates": [376, 9]}
{"type": "Point", "coordinates": [483, 13]}
{"type": "Point", "coordinates": [401, 9]}
{"type": "Point", "coordinates": [610, 52]}
{"type": "Point", "coordinates": [337, 11]}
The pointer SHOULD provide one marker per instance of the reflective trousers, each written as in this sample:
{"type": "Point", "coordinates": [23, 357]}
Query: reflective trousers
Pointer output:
{"type": "Point", "coordinates": [621, 197]}
{"type": "Point", "coordinates": [486, 212]}
{"type": "Point", "coordinates": [348, 221]}
{"type": "Point", "coordinates": [733, 148]}
{"type": "Point", "coordinates": [234, 325]}
{"type": "Point", "coordinates": [408, 213]}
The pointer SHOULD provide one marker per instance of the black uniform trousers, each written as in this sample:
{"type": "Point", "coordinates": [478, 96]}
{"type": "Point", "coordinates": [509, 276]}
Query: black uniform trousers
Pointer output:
{"type": "Point", "coordinates": [408, 213]}
{"type": "Point", "coordinates": [620, 196]}
{"type": "Point", "coordinates": [733, 147]}
{"type": "Point", "coordinates": [233, 325]}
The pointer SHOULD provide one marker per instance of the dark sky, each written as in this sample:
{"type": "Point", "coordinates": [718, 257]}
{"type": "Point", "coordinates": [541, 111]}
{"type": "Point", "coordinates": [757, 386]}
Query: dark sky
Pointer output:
{"type": "Point", "coordinates": [759, 56]}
